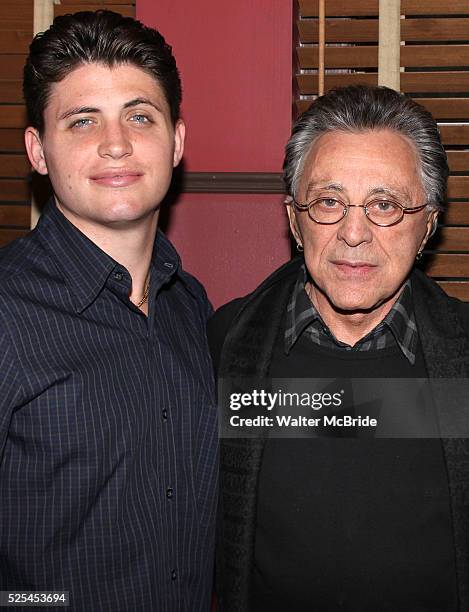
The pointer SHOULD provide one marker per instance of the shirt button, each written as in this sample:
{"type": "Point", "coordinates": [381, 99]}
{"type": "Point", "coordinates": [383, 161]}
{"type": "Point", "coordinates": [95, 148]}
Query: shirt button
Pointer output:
{"type": "Point", "coordinates": [169, 265]}
{"type": "Point", "coordinates": [173, 574]}
{"type": "Point", "coordinates": [169, 493]}
{"type": "Point", "coordinates": [118, 276]}
{"type": "Point", "coordinates": [164, 414]}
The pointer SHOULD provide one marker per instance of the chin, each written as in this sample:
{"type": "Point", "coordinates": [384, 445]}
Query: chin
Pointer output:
{"type": "Point", "coordinates": [354, 303]}
{"type": "Point", "coordinates": [127, 213]}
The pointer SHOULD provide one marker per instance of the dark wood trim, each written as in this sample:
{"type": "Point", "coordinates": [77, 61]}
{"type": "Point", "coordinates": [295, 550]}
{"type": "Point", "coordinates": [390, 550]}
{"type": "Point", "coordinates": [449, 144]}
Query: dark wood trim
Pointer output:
{"type": "Point", "coordinates": [233, 182]}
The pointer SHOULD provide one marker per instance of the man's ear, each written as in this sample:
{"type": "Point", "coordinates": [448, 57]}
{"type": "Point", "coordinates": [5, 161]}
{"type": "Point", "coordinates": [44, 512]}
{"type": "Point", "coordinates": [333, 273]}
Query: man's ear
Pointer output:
{"type": "Point", "coordinates": [432, 224]}
{"type": "Point", "coordinates": [295, 230]}
{"type": "Point", "coordinates": [35, 150]}
{"type": "Point", "coordinates": [179, 137]}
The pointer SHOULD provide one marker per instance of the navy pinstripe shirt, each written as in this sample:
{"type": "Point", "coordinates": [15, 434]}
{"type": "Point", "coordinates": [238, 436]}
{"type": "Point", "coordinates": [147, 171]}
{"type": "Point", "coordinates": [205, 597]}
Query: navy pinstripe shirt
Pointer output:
{"type": "Point", "coordinates": [108, 438]}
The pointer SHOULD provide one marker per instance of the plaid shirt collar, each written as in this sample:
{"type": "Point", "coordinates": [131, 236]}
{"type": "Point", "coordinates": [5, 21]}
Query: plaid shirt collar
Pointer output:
{"type": "Point", "coordinates": [397, 327]}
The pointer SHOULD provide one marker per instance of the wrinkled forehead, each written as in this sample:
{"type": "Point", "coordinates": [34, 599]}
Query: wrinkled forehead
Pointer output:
{"type": "Point", "coordinates": [362, 162]}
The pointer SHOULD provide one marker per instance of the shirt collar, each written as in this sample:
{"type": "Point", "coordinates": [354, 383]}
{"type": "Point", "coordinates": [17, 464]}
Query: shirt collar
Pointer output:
{"type": "Point", "coordinates": [400, 321]}
{"type": "Point", "coordinates": [86, 268]}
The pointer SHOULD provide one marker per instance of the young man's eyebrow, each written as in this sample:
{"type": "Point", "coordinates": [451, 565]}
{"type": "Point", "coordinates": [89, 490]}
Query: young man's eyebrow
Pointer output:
{"type": "Point", "coordinates": [137, 101]}
{"type": "Point", "coordinates": [78, 110]}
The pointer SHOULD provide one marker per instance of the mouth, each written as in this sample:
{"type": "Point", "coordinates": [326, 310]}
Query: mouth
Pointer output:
{"type": "Point", "coordinates": [116, 177]}
{"type": "Point", "coordinates": [354, 269]}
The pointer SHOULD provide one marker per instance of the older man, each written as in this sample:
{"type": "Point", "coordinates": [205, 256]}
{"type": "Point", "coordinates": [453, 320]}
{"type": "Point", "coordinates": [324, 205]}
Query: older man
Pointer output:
{"type": "Point", "coordinates": [340, 523]}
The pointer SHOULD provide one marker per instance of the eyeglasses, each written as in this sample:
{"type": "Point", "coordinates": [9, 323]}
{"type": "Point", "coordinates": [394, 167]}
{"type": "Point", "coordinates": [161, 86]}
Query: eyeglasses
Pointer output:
{"type": "Point", "coordinates": [383, 213]}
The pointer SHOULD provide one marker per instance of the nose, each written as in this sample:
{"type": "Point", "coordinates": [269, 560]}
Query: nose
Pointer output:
{"type": "Point", "coordinates": [115, 142]}
{"type": "Point", "coordinates": [355, 229]}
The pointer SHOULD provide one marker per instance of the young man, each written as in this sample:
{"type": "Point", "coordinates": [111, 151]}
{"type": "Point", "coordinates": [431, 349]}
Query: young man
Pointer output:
{"type": "Point", "coordinates": [108, 439]}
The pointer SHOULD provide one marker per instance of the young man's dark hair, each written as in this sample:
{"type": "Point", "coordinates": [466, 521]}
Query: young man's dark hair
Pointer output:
{"type": "Point", "coordinates": [101, 37]}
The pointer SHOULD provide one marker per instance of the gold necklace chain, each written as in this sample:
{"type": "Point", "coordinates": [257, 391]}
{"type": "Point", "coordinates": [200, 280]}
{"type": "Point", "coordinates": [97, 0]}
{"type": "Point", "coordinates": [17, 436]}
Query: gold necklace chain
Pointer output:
{"type": "Point", "coordinates": [145, 294]}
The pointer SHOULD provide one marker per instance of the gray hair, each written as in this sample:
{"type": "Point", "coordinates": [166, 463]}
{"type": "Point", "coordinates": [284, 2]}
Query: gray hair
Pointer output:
{"type": "Point", "coordinates": [359, 108]}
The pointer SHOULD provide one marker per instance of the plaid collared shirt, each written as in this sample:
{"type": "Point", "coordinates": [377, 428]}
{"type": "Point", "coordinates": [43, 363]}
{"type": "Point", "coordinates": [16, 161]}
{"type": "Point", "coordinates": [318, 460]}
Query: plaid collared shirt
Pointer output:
{"type": "Point", "coordinates": [397, 327]}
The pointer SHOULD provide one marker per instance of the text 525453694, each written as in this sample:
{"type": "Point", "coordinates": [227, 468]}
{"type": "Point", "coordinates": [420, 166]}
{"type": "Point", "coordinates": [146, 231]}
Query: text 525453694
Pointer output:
{"type": "Point", "coordinates": [34, 598]}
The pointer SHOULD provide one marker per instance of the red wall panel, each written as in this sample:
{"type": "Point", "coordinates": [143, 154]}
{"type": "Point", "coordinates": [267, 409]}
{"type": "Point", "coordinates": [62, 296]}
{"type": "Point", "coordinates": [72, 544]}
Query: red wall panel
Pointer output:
{"type": "Point", "coordinates": [229, 242]}
{"type": "Point", "coordinates": [235, 63]}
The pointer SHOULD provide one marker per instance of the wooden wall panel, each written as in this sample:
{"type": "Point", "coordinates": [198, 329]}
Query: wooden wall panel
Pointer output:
{"type": "Point", "coordinates": [434, 7]}
{"type": "Point", "coordinates": [415, 56]}
{"type": "Point", "coordinates": [14, 41]}
{"type": "Point", "coordinates": [12, 116]}
{"type": "Point", "coordinates": [457, 213]}
{"type": "Point", "coordinates": [16, 16]}
{"type": "Point", "coordinates": [454, 134]}
{"type": "Point", "coordinates": [447, 109]}
{"type": "Point", "coordinates": [456, 289]}
{"type": "Point", "coordinates": [8, 235]}
{"type": "Point", "coordinates": [12, 67]}
{"type": "Point", "coordinates": [15, 214]}
{"type": "Point", "coordinates": [11, 92]}
{"type": "Point", "coordinates": [14, 166]}
{"type": "Point", "coordinates": [458, 187]}
{"type": "Point", "coordinates": [107, 4]}
{"type": "Point", "coordinates": [16, 31]}
{"type": "Point", "coordinates": [15, 190]}
{"type": "Point", "coordinates": [444, 265]}
{"type": "Point", "coordinates": [366, 30]}
{"type": "Point", "coordinates": [443, 109]}
{"type": "Point", "coordinates": [455, 239]}
{"type": "Point", "coordinates": [367, 8]}
{"type": "Point", "coordinates": [11, 141]}
{"type": "Point", "coordinates": [411, 82]}
{"type": "Point", "coordinates": [128, 10]}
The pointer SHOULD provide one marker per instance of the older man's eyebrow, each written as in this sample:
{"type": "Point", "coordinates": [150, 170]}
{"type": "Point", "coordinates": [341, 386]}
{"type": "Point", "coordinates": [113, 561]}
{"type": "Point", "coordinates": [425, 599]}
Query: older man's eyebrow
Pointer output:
{"type": "Point", "coordinates": [78, 110]}
{"type": "Point", "coordinates": [138, 101]}
{"type": "Point", "coordinates": [315, 186]}
{"type": "Point", "coordinates": [389, 192]}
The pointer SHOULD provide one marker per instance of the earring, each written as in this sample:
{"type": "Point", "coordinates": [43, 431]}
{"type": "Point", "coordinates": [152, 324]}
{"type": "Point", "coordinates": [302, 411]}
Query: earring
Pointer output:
{"type": "Point", "coordinates": [419, 256]}
{"type": "Point", "coordinates": [299, 247]}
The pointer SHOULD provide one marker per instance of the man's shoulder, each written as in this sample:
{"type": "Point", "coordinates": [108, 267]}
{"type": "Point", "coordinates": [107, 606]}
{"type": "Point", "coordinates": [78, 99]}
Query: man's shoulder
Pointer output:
{"type": "Point", "coordinates": [226, 313]}
{"type": "Point", "coordinates": [462, 310]}
{"type": "Point", "coordinates": [192, 295]}
{"type": "Point", "coordinates": [220, 323]}
{"type": "Point", "coordinates": [19, 259]}
{"type": "Point", "coordinates": [16, 274]}
{"type": "Point", "coordinates": [224, 317]}
{"type": "Point", "coordinates": [429, 288]}
{"type": "Point", "coordinates": [434, 299]}
{"type": "Point", "coordinates": [193, 285]}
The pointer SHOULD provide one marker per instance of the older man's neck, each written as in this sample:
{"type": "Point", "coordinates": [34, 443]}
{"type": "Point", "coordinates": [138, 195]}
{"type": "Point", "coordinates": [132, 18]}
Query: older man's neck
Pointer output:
{"type": "Point", "coordinates": [349, 326]}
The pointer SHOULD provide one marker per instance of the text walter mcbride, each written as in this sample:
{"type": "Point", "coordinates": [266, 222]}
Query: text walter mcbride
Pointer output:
{"type": "Point", "coordinates": [326, 421]}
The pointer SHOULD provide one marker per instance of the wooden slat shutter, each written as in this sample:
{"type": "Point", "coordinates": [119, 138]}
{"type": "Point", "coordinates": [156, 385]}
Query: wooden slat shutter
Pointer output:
{"type": "Point", "coordinates": [124, 7]}
{"type": "Point", "coordinates": [16, 32]}
{"type": "Point", "coordinates": [434, 61]}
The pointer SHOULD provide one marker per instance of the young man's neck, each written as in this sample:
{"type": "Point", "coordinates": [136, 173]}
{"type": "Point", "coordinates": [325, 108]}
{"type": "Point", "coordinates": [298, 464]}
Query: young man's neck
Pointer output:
{"type": "Point", "coordinates": [130, 244]}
